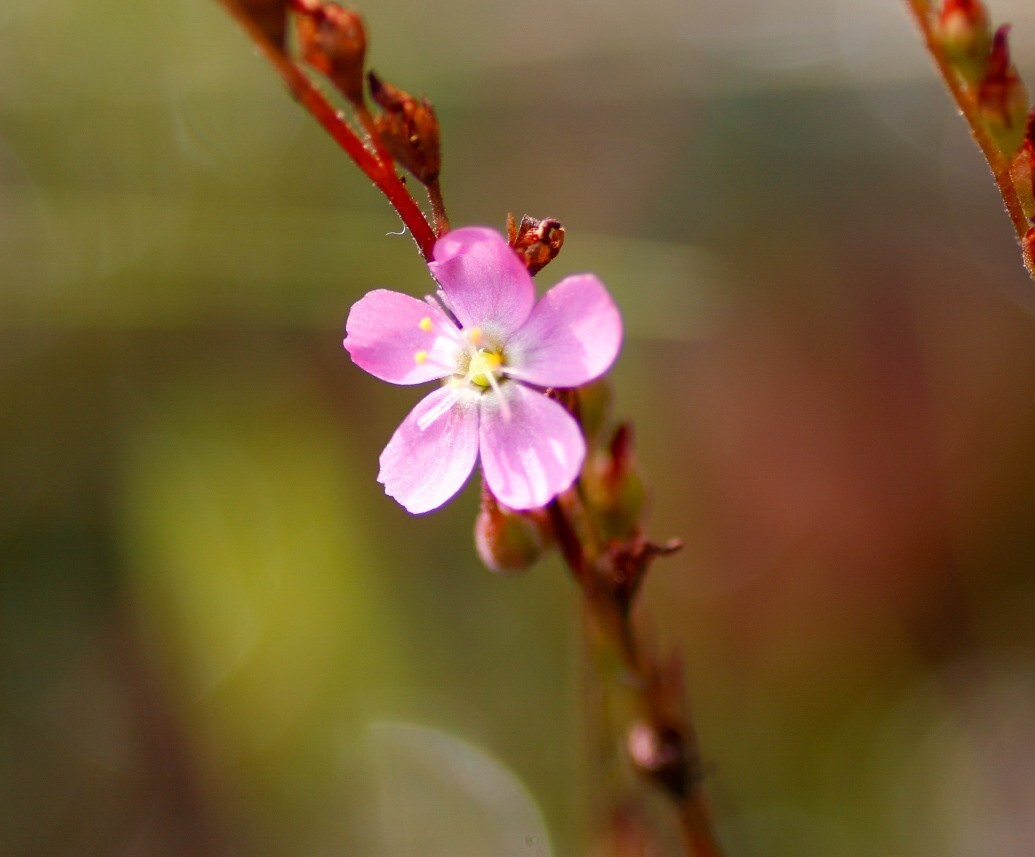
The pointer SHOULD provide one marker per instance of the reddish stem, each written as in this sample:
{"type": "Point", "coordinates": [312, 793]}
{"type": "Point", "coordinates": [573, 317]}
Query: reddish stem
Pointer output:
{"type": "Point", "coordinates": [438, 207]}
{"type": "Point", "coordinates": [382, 174]}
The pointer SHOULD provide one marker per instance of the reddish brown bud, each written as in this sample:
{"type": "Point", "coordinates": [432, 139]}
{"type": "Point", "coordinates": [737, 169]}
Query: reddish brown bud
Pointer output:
{"type": "Point", "coordinates": [537, 242]}
{"type": "Point", "coordinates": [270, 16]}
{"type": "Point", "coordinates": [334, 42]}
{"type": "Point", "coordinates": [408, 128]}
{"type": "Point", "coordinates": [508, 542]}
{"type": "Point", "coordinates": [962, 28]}
{"type": "Point", "coordinates": [1002, 96]}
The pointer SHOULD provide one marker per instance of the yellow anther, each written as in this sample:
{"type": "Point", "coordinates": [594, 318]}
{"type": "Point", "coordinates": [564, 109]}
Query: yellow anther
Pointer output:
{"type": "Point", "coordinates": [420, 357]}
{"type": "Point", "coordinates": [474, 336]}
{"type": "Point", "coordinates": [425, 324]}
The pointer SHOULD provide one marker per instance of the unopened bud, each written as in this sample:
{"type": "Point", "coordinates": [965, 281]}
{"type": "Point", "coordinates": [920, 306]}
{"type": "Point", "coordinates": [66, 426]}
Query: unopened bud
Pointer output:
{"type": "Point", "coordinates": [962, 28]}
{"type": "Point", "coordinates": [334, 42]}
{"type": "Point", "coordinates": [614, 487]}
{"type": "Point", "coordinates": [270, 16]}
{"type": "Point", "coordinates": [659, 754]}
{"type": "Point", "coordinates": [1002, 97]}
{"type": "Point", "coordinates": [408, 128]}
{"type": "Point", "coordinates": [537, 242]}
{"type": "Point", "coordinates": [508, 542]}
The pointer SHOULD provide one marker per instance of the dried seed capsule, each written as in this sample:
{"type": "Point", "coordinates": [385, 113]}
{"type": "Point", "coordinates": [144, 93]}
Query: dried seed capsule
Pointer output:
{"type": "Point", "coordinates": [334, 42]}
{"type": "Point", "coordinates": [408, 128]}
{"type": "Point", "coordinates": [537, 242]}
{"type": "Point", "coordinates": [270, 16]}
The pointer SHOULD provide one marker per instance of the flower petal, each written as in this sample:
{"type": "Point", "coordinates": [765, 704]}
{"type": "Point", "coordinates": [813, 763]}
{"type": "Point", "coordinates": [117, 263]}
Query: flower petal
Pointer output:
{"type": "Point", "coordinates": [532, 449]}
{"type": "Point", "coordinates": [423, 468]}
{"type": "Point", "coordinates": [483, 279]}
{"type": "Point", "coordinates": [571, 337]}
{"type": "Point", "coordinates": [400, 339]}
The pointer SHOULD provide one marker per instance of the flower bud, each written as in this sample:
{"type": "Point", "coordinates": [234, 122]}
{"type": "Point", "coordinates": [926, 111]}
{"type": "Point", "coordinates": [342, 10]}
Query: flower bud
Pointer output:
{"type": "Point", "coordinates": [508, 542]}
{"type": "Point", "coordinates": [270, 16]}
{"type": "Point", "coordinates": [962, 29]}
{"type": "Point", "coordinates": [334, 42]}
{"type": "Point", "coordinates": [659, 753]}
{"type": "Point", "coordinates": [408, 128]}
{"type": "Point", "coordinates": [614, 487]}
{"type": "Point", "coordinates": [1002, 97]}
{"type": "Point", "coordinates": [537, 242]}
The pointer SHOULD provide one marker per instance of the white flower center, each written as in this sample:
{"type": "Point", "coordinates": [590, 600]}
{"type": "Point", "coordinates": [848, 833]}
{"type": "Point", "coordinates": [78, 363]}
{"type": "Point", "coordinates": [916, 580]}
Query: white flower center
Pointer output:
{"type": "Point", "coordinates": [480, 363]}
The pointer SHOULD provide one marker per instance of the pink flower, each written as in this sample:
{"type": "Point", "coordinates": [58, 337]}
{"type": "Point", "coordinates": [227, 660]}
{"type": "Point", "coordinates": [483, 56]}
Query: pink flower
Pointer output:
{"type": "Point", "coordinates": [494, 349]}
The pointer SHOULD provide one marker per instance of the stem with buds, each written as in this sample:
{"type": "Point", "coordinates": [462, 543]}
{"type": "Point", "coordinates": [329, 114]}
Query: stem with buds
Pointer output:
{"type": "Point", "coordinates": [377, 167]}
{"type": "Point", "coordinates": [662, 743]}
{"type": "Point", "coordinates": [595, 524]}
{"type": "Point", "coordinates": [975, 65]}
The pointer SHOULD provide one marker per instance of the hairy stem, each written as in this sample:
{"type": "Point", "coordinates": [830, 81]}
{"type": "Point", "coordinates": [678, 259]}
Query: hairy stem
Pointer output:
{"type": "Point", "coordinates": [438, 207]}
{"type": "Point", "coordinates": [997, 161]}
{"type": "Point", "coordinates": [381, 173]}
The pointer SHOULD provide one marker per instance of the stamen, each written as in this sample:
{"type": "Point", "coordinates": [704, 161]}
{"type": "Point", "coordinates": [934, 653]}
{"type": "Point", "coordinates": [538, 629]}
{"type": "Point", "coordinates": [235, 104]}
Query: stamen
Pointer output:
{"type": "Point", "coordinates": [516, 374]}
{"type": "Point", "coordinates": [420, 357]}
{"type": "Point", "coordinates": [474, 336]}
{"type": "Point", "coordinates": [450, 330]}
{"type": "Point", "coordinates": [425, 323]}
{"type": "Point", "coordinates": [504, 407]}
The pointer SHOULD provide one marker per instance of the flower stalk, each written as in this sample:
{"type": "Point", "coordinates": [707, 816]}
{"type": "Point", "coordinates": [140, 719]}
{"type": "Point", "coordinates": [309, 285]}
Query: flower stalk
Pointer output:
{"type": "Point", "coordinates": [661, 743]}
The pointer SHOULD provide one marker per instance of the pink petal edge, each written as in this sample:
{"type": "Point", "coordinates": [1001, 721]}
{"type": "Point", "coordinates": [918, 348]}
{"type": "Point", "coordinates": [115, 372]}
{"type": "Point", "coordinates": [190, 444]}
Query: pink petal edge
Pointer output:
{"type": "Point", "coordinates": [532, 450]}
{"type": "Point", "coordinates": [485, 283]}
{"type": "Point", "coordinates": [384, 336]}
{"type": "Point", "coordinates": [571, 337]}
{"type": "Point", "coordinates": [423, 468]}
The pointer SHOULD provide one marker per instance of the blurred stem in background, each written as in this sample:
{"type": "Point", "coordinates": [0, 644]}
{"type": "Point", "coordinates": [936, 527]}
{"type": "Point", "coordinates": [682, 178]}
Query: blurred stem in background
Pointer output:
{"type": "Point", "coordinates": [976, 66]}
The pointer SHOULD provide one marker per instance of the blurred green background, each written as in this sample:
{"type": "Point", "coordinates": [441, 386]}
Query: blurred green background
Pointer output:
{"type": "Point", "coordinates": [218, 636]}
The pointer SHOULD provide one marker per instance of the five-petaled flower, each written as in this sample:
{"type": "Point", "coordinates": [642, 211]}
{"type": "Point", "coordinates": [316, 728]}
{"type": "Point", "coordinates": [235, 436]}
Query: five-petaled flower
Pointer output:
{"type": "Point", "coordinates": [495, 350]}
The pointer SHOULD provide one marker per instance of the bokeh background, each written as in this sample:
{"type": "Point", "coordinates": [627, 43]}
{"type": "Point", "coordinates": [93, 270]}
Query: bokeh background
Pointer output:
{"type": "Point", "coordinates": [217, 636]}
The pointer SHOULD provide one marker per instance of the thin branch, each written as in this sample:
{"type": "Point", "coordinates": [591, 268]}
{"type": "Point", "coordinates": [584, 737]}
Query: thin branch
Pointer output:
{"type": "Point", "coordinates": [382, 174]}
{"type": "Point", "coordinates": [438, 207]}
